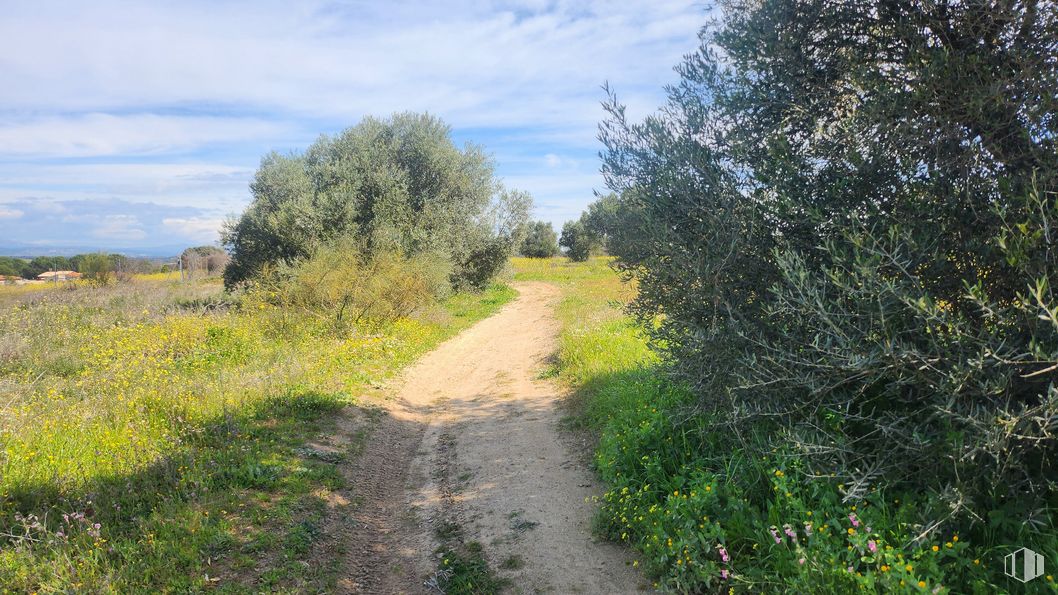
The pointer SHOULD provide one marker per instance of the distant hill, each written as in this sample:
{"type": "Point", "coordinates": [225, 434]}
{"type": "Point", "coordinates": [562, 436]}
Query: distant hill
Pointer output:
{"type": "Point", "coordinates": [29, 251]}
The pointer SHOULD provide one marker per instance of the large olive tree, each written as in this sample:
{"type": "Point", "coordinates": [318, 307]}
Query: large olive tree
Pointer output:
{"type": "Point", "coordinates": [396, 184]}
{"type": "Point", "coordinates": [844, 234]}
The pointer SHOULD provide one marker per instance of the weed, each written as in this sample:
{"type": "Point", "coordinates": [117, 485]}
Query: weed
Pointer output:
{"type": "Point", "coordinates": [151, 442]}
{"type": "Point", "coordinates": [465, 571]}
{"type": "Point", "coordinates": [512, 562]}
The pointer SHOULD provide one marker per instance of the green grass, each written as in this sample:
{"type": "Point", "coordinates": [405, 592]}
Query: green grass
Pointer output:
{"type": "Point", "coordinates": [704, 518]}
{"type": "Point", "coordinates": [465, 571]}
{"type": "Point", "coordinates": [153, 444]}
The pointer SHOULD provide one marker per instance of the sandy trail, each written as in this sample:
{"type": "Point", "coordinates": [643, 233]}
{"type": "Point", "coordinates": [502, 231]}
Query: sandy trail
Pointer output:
{"type": "Point", "coordinates": [473, 438]}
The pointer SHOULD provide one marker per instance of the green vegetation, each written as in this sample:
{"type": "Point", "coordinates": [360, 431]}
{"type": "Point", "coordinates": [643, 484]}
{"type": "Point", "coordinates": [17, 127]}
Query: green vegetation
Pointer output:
{"type": "Point", "coordinates": [398, 185]}
{"type": "Point", "coordinates": [97, 268]}
{"type": "Point", "coordinates": [12, 267]}
{"type": "Point", "coordinates": [160, 436]}
{"type": "Point", "coordinates": [705, 514]}
{"type": "Point", "coordinates": [83, 263]}
{"type": "Point", "coordinates": [540, 241]}
{"type": "Point", "coordinates": [840, 231]}
{"type": "Point", "coordinates": [578, 241]}
{"type": "Point", "coordinates": [465, 571]}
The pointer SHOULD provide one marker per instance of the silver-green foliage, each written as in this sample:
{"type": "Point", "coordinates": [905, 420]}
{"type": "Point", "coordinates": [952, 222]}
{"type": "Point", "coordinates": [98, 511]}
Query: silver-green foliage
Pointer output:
{"type": "Point", "coordinates": [540, 241]}
{"type": "Point", "coordinates": [392, 184]}
{"type": "Point", "coordinates": [842, 228]}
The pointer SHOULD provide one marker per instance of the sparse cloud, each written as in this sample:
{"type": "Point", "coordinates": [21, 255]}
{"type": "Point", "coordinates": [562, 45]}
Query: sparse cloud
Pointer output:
{"type": "Point", "coordinates": [184, 118]}
{"type": "Point", "coordinates": [202, 229]}
{"type": "Point", "coordinates": [120, 229]}
{"type": "Point", "coordinates": [99, 135]}
{"type": "Point", "coordinates": [10, 213]}
{"type": "Point", "coordinates": [108, 224]}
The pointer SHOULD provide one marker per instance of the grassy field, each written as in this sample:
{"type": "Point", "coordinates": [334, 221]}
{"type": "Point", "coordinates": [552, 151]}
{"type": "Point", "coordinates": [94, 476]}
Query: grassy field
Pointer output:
{"type": "Point", "coordinates": [156, 436]}
{"type": "Point", "coordinates": [704, 518]}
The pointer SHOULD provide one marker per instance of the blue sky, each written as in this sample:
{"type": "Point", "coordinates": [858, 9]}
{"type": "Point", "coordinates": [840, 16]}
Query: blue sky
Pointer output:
{"type": "Point", "coordinates": [133, 126]}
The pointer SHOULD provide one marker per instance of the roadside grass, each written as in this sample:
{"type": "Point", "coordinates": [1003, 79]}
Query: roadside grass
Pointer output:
{"type": "Point", "coordinates": [704, 518]}
{"type": "Point", "coordinates": [598, 339]}
{"type": "Point", "coordinates": [154, 436]}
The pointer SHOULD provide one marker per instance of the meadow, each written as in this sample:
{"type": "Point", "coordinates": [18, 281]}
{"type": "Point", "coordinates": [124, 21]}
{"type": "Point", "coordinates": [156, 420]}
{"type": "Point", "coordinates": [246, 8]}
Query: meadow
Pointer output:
{"type": "Point", "coordinates": [157, 435]}
{"type": "Point", "coordinates": [704, 517]}
{"type": "Point", "coordinates": [163, 436]}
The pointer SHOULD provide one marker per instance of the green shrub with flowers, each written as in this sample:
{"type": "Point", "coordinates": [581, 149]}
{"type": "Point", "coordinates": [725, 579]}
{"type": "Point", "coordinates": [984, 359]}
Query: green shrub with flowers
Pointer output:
{"type": "Point", "coordinates": [704, 516]}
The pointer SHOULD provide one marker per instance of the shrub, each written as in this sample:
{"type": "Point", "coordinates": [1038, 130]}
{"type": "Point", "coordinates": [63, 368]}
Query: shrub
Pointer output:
{"type": "Point", "coordinates": [97, 268]}
{"type": "Point", "coordinates": [207, 261]}
{"type": "Point", "coordinates": [342, 287]}
{"type": "Point", "coordinates": [845, 242]}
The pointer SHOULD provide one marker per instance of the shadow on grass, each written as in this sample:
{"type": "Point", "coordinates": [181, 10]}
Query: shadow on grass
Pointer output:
{"type": "Point", "coordinates": [242, 498]}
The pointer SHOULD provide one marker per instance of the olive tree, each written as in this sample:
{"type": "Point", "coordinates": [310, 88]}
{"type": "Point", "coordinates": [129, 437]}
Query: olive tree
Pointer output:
{"type": "Point", "coordinates": [843, 234]}
{"type": "Point", "coordinates": [540, 241]}
{"type": "Point", "coordinates": [393, 184]}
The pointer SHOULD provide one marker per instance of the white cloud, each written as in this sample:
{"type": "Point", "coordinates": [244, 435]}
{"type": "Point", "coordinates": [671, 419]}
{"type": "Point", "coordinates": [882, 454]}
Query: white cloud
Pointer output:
{"type": "Point", "coordinates": [215, 186]}
{"type": "Point", "coordinates": [174, 103]}
{"type": "Point", "coordinates": [119, 228]}
{"type": "Point", "coordinates": [96, 134]}
{"type": "Point", "coordinates": [476, 63]}
{"type": "Point", "coordinates": [197, 229]}
{"type": "Point", "coordinates": [10, 213]}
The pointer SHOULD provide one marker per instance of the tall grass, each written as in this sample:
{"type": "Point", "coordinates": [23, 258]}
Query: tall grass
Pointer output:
{"type": "Point", "coordinates": [153, 434]}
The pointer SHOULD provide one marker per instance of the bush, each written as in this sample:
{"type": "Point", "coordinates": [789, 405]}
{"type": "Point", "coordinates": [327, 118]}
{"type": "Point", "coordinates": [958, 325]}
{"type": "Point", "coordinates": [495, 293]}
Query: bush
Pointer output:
{"type": "Point", "coordinates": [97, 268]}
{"type": "Point", "coordinates": [398, 185]}
{"type": "Point", "coordinates": [208, 261]}
{"type": "Point", "coordinates": [768, 523]}
{"type": "Point", "coordinates": [342, 287]}
{"type": "Point", "coordinates": [540, 241]}
{"type": "Point", "coordinates": [845, 244]}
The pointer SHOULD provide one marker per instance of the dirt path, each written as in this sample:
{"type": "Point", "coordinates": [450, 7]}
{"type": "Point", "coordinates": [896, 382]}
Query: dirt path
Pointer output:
{"type": "Point", "coordinates": [472, 441]}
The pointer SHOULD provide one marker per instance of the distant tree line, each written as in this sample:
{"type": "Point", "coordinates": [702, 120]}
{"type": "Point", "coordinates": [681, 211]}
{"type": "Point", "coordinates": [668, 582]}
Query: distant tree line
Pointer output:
{"type": "Point", "coordinates": [82, 263]}
{"type": "Point", "coordinates": [198, 261]}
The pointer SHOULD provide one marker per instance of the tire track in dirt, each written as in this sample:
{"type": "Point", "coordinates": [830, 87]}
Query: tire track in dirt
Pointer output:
{"type": "Point", "coordinates": [473, 437]}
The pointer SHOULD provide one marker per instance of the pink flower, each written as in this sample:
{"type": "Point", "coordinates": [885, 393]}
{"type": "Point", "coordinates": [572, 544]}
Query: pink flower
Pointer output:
{"type": "Point", "coordinates": [775, 535]}
{"type": "Point", "coordinates": [855, 522]}
{"type": "Point", "coordinates": [723, 554]}
{"type": "Point", "coordinates": [801, 561]}
{"type": "Point", "coordinates": [872, 546]}
{"type": "Point", "coordinates": [723, 574]}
